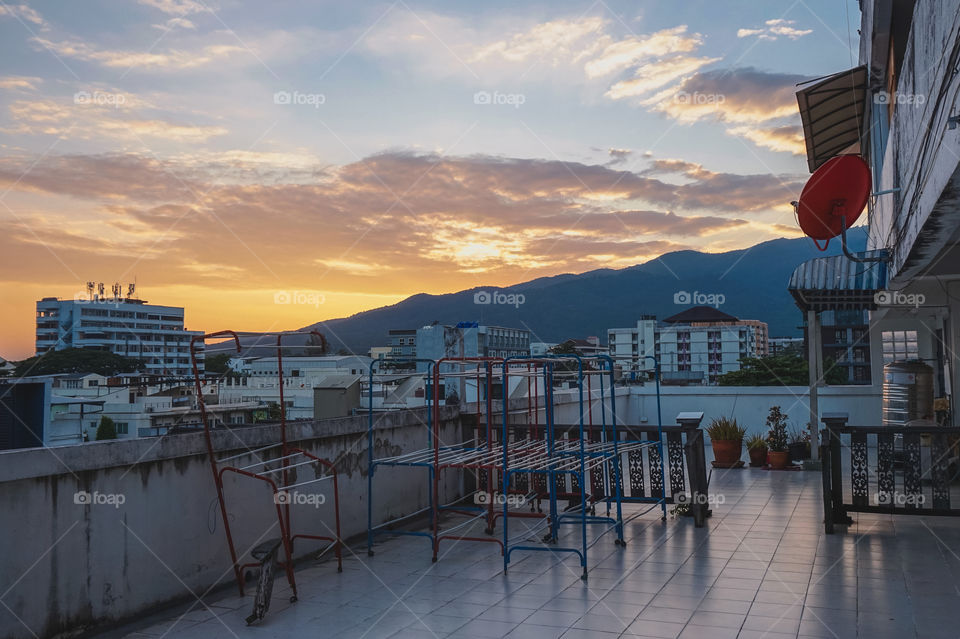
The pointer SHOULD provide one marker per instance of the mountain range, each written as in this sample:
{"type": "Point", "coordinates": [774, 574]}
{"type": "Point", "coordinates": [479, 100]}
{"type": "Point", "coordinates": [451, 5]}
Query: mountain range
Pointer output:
{"type": "Point", "coordinates": [749, 283]}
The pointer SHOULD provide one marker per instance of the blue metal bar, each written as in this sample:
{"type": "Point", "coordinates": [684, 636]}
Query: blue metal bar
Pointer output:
{"type": "Point", "coordinates": [372, 465]}
{"type": "Point", "coordinates": [663, 471]}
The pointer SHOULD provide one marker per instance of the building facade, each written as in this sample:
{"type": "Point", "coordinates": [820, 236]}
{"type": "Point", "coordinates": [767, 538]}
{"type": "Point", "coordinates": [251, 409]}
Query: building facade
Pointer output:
{"type": "Point", "coordinates": [129, 327]}
{"type": "Point", "coordinates": [696, 346]}
{"type": "Point", "coordinates": [403, 343]}
{"type": "Point", "coordinates": [898, 111]}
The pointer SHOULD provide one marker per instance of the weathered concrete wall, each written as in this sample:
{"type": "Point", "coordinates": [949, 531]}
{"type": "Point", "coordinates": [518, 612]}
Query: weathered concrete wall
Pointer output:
{"type": "Point", "coordinates": [67, 565]}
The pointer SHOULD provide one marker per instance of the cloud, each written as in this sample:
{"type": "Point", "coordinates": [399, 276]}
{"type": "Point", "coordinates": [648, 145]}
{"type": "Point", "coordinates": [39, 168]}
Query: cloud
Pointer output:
{"type": "Point", "coordinates": [580, 50]}
{"type": "Point", "coordinates": [19, 83]}
{"type": "Point", "coordinates": [773, 29]}
{"type": "Point", "coordinates": [650, 77]}
{"type": "Point", "coordinates": [22, 12]}
{"type": "Point", "coordinates": [174, 23]}
{"type": "Point", "coordinates": [174, 59]}
{"type": "Point", "coordinates": [787, 138]}
{"type": "Point", "coordinates": [106, 114]}
{"type": "Point", "coordinates": [177, 7]}
{"type": "Point", "coordinates": [618, 156]}
{"type": "Point", "coordinates": [740, 95]}
{"type": "Point", "coordinates": [504, 217]}
{"type": "Point", "coordinates": [557, 41]}
{"type": "Point", "coordinates": [626, 53]}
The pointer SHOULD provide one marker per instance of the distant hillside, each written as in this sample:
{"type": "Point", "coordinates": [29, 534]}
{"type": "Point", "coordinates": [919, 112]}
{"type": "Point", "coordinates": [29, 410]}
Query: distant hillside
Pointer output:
{"type": "Point", "coordinates": [752, 281]}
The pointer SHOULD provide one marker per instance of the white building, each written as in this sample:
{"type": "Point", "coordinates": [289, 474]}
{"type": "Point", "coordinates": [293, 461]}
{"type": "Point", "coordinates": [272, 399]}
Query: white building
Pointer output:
{"type": "Point", "coordinates": [124, 326]}
{"type": "Point", "coordinates": [256, 379]}
{"type": "Point", "coordinates": [540, 348]}
{"type": "Point", "coordinates": [139, 407]}
{"type": "Point", "coordinates": [694, 346]}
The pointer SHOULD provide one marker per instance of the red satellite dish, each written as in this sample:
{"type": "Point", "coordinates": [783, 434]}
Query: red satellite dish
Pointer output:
{"type": "Point", "coordinates": [833, 198]}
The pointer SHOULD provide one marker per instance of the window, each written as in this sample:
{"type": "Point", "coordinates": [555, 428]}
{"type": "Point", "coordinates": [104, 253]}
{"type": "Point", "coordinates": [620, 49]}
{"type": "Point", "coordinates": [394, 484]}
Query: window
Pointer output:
{"type": "Point", "coordinates": [122, 428]}
{"type": "Point", "coordinates": [899, 345]}
{"type": "Point", "coordinates": [93, 382]}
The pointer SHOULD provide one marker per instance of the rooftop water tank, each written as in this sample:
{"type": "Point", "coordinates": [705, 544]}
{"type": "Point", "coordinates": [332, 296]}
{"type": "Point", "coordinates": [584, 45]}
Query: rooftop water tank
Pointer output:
{"type": "Point", "coordinates": [907, 393]}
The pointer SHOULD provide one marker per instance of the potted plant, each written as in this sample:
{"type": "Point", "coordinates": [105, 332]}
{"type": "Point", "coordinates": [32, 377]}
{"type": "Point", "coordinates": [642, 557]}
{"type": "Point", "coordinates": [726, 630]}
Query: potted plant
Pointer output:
{"type": "Point", "coordinates": [799, 445]}
{"type": "Point", "coordinates": [757, 447]}
{"type": "Point", "coordinates": [778, 455]}
{"type": "Point", "coordinates": [726, 437]}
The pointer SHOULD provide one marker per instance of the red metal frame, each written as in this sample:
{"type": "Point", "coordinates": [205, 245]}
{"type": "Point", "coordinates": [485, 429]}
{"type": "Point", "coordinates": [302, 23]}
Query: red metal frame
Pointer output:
{"type": "Point", "coordinates": [286, 453]}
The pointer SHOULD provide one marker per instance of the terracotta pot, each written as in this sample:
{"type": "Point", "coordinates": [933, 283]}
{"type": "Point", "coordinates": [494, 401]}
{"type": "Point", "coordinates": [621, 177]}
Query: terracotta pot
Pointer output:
{"type": "Point", "coordinates": [779, 459]}
{"type": "Point", "coordinates": [726, 451]}
{"type": "Point", "coordinates": [758, 457]}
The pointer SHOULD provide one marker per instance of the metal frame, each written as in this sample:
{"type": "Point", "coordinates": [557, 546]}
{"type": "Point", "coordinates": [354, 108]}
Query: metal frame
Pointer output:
{"type": "Point", "coordinates": [289, 457]}
{"type": "Point", "coordinates": [415, 459]}
{"type": "Point", "coordinates": [579, 459]}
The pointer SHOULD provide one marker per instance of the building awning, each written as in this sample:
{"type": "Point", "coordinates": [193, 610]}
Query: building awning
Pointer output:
{"type": "Point", "coordinates": [838, 283]}
{"type": "Point", "coordinates": [832, 111]}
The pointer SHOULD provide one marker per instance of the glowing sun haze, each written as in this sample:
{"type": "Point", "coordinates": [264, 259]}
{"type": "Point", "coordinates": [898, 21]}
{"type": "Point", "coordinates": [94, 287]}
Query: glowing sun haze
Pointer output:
{"type": "Point", "coordinates": [220, 153]}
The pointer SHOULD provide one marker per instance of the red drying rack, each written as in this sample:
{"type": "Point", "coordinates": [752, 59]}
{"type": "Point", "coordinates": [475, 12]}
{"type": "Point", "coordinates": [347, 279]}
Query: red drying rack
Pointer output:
{"type": "Point", "coordinates": [289, 458]}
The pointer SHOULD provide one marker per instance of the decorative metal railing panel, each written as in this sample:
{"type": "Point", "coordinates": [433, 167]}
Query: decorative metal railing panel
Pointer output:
{"type": "Point", "coordinates": [900, 470]}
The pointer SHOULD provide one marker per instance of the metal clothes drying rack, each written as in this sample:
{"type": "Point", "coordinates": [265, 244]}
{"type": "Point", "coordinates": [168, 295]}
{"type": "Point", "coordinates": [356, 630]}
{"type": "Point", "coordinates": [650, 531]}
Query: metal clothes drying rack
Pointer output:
{"type": "Point", "coordinates": [590, 455]}
{"type": "Point", "coordinates": [289, 458]}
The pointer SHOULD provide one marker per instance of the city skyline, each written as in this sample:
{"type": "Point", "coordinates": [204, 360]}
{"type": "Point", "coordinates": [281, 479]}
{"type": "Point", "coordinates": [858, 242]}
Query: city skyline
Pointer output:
{"type": "Point", "coordinates": [222, 154]}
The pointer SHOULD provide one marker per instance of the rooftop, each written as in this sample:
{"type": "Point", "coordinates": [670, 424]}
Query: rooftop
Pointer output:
{"type": "Point", "coordinates": [761, 568]}
{"type": "Point", "coordinates": [700, 314]}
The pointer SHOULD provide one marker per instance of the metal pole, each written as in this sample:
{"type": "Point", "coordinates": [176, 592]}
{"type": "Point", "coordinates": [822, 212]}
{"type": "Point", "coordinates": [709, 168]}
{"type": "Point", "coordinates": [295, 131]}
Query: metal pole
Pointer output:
{"type": "Point", "coordinates": [815, 360]}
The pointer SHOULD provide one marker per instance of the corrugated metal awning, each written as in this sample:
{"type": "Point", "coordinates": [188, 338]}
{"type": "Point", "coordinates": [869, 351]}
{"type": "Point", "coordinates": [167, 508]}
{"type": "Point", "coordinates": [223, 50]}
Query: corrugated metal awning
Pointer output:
{"type": "Point", "coordinates": [832, 111]}
{"type": "Point", "coordinates": [838, 283]}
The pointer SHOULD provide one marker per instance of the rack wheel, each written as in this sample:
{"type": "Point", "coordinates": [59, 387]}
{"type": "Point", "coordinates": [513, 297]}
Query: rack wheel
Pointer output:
{"type": "Point", "coordinates": [433, 560]}
{"type": "Point", "coordinates": [293, 599]}
{"type": "Point", "coordinates": [584, 575]}
{"type": "Point", "coordinates": [339, 568]}
{"type": "Point", "coordinates": [489, 531]}
{"type": "Point", "coordinates": [370, 553]}
{"type": "Point", "coordinates": [547, 538]}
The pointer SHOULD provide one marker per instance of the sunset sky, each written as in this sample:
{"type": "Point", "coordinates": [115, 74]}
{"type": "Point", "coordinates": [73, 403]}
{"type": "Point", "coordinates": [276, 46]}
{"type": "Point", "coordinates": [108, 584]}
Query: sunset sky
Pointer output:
{"type": "Point", "coordinates": [221, 152]}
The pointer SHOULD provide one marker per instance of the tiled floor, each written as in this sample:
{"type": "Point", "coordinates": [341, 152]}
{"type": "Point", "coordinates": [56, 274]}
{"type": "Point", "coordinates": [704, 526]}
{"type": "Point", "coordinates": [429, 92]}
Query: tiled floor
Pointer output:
{"type": "Point", "coordinates": [762, 568]}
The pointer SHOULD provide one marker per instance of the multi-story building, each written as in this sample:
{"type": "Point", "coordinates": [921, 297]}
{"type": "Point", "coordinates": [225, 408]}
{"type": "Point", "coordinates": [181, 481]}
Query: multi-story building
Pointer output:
{"type": "Point", "coordinates": [845, 340]}
{"type": "Point", "coordinates": [124, 326]}
{"type": "Point", "coordinates": [403, 343]}
{"type": "Point", "coordinates": [470, 339]}
{"type": "Point", "coordinates": [695, 346]}
{"type": "Point", "coordinates": [630, 347]}
{"type": "Point", "coordinates": [782, 345]}
{"type": "Point", "coordinates": [761, 333]}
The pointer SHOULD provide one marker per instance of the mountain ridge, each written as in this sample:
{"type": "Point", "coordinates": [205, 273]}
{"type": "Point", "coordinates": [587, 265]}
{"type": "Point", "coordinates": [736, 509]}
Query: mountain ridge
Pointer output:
{"type": "Point", "coordinates": [752, 282]}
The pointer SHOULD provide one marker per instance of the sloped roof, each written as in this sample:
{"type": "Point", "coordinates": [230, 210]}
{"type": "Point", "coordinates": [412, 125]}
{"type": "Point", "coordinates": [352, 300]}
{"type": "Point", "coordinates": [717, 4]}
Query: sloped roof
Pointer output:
{"type": "Point", "coordinates": [700, 314]}
{"type": "Point", "coordinates": [836, 282]}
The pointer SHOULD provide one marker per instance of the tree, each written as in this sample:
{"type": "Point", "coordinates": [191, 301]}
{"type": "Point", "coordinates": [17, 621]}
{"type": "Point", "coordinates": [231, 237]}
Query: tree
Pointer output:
{"type": "Point", "coordinates": [568, 347]}
{"type": "Point", "coordinates": [107, 429]}
{"type": "Point", "coordinates": [77, 360]}
{"type": "Point", "coordinates": [779, 370]}
{"type": "Point", "coordinates": [218, 364]}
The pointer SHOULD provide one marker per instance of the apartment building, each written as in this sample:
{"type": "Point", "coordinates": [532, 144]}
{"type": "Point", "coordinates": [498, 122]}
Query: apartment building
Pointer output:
{"type": "Point", "coordinates": [125, 326]}
{"type": "Point", "coordinates": [694, 346]}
